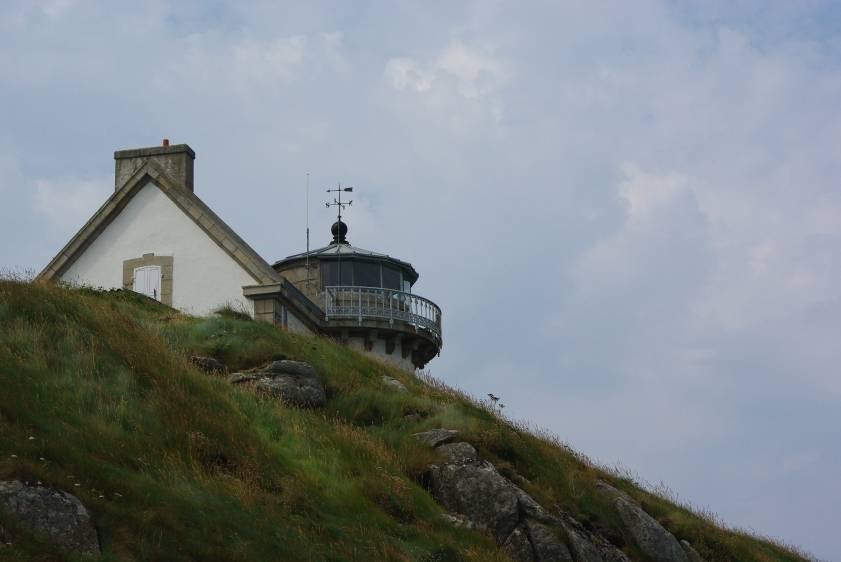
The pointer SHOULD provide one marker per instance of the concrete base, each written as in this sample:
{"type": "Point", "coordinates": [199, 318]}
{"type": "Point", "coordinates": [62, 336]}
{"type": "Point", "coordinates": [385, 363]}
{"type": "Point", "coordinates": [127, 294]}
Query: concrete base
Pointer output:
{"type": "Point", "coordinates": [379, 348]}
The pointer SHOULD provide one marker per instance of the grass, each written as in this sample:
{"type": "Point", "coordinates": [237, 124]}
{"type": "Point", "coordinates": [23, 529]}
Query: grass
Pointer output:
{"type": "Point", "coordinates": [98, 398]}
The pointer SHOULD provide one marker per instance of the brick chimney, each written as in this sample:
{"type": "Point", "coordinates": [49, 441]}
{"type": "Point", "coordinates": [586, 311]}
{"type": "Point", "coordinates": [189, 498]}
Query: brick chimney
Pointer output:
{"type": "Point", "coordinates": [176, 160]}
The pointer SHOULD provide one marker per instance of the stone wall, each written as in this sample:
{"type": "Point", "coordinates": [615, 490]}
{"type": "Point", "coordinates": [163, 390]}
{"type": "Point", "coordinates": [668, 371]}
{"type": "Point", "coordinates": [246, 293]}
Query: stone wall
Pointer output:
{"type": "Point", "coordinates": [297, 275]}
{"type": "Point", "coordinates": [176, 161]}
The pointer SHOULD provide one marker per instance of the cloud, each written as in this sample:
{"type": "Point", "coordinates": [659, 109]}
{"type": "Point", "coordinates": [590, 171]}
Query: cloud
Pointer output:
{"type": "Point", "coordinates": [478, 73]}
{"type": "Point", "coordinates": [274, 58]}
{"type": "Point", "coordinates": [69, 203]}
{"type": "Point", "coordinates": [201, 59]}
{"type": "Point", "coordinates": [459, 84]}
{"type": "Point", "coordinates": [19, 13]}
{"type": "Point", "coordinates": [475, 72]}
{"type": "Point", "coordinates": [629, 214]}
{"type": "Point", "coordinates": [405, 73]}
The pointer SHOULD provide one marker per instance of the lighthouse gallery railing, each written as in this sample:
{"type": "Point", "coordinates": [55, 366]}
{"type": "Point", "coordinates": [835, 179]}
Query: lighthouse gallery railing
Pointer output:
{"type": "Point", "coordinates": [382, 304]}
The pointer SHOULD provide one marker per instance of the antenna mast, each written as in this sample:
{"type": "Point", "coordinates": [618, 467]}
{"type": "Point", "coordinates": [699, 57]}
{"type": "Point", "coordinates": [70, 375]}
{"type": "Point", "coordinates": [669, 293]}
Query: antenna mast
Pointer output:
{"type": "Point", "coordinates": [338, 203]}
{"type": "Point", "coordinates": [308, 233]}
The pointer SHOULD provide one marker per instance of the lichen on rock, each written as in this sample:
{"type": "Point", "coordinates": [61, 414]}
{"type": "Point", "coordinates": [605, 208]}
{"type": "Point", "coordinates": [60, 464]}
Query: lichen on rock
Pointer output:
{"type": "Point", "coordinates": [293, 382]}
{"type": "Point", "coordinates": [477, 495]}
{"type": "Point", "coordinates": [649, 535]}
{"type": "Point", "coordinates": [59, 517]}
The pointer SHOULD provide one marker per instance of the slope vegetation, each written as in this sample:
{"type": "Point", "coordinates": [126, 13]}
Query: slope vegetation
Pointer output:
{"type": "Point", "coordinates": [98, 398]}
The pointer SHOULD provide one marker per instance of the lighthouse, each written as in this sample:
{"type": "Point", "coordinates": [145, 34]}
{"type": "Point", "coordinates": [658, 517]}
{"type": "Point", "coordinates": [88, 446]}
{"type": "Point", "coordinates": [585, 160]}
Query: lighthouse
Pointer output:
{"type": "Point", "coordinates": [367, 300]}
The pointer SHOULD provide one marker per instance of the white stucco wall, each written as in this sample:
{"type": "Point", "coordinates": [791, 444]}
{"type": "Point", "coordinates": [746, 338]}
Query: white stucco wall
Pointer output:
{"type": "Point", "coordinates": [204, 276]}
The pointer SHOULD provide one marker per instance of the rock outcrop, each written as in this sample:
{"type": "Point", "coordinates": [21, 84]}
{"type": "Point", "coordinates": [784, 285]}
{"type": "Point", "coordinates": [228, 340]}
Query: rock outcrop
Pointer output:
{"type": "Point", "coordinates": [477, 491]}
{"type": "Point", "coordinates": [649, 535]}
{"type": "Point", "coordinates": [478, 496]}
{"type": "Point", "coordinates": [587, 546]}
{"type": "Point", "coordinates": [293, 382]}
{"type": "Point", "coordinates": [459, 453]}
{"type": "Point", "coordinates": [518, 546]}
{"type": "Point", "coordinates": [546, 543]}
{"type": "Point", "coordinates": [55, 515]}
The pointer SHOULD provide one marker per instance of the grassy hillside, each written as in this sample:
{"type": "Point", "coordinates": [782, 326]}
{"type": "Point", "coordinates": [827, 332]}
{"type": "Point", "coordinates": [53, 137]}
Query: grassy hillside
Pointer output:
{"type": "Point", "coordinates": [97, 398]}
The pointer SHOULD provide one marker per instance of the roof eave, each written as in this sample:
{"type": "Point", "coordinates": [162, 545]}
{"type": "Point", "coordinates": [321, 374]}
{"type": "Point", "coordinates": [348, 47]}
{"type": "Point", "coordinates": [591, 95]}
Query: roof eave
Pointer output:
{"type": "Point", "coordinates": [317, 254]}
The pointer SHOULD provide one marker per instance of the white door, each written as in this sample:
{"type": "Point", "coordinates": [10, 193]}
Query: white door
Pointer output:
{"type": "Point", "coordinates": [147, 281]}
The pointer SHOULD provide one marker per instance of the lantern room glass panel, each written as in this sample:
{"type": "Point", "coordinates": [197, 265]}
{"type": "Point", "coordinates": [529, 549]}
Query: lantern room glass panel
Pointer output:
{"type": "Point", "coordinates": [329, 275]}
{"type": "Point", "coordinates": [391, 278]}
{"type": "Point", "coordinates": [366, 274]}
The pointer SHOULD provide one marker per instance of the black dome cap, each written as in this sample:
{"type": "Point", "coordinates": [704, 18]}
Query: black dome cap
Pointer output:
{"type": "Point", "coordinates": [339, 230]}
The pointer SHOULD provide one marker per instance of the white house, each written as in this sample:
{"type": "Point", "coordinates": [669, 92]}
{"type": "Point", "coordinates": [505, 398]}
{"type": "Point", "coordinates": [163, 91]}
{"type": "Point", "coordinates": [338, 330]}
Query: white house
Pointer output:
{"type": "Point", "coordinates": [154, 236]}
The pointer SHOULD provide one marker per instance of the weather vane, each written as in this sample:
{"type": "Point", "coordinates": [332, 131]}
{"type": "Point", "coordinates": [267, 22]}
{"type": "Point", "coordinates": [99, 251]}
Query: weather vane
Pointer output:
{"type": "Point", "coordinates": [337, 202]}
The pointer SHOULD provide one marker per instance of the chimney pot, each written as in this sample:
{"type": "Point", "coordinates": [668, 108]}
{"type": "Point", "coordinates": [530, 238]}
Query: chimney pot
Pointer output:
{"type": "Point", "coordinates": [176, 160]}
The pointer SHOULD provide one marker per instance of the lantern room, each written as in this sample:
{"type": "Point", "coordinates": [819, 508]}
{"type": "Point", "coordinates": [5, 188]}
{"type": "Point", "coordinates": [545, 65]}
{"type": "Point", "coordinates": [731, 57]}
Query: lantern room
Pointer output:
{"type": "Point", "coordinates": [367, 299]}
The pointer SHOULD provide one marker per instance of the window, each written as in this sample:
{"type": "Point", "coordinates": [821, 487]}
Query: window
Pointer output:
{"type": "Point", "coordinates": [362, 273]}
{"type": "Point", "coordinates": [391, 278]}
{"type": "Point", "coordinates": [330, 273]}
{"type": "Point", "coordinates": [346, 270]}
{"type": "Point", "coordinates": [366, 274]}
{"type": "Point", "coordinates": [147, 281]}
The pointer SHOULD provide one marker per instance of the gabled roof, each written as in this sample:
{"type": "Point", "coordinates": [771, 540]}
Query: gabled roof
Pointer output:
{"type": "Point", "coordinates": [184, 199]}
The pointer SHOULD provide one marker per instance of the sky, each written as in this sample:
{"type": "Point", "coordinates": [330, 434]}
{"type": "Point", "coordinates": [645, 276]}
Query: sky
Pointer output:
{"type": "Point", "coordinates": [629, 212]}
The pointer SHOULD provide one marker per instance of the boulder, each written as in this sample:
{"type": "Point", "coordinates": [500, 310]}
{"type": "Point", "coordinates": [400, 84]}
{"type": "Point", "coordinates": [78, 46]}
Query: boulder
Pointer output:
{"type": "Point", "coordinates": [587, 546]}
{"type": "Point", "coordinates": [612, 554]}
{"type": "Point", "coordinates": [578, 539]}
{"type": "Point", "coordinates": [58, 516]}
{"type": "Point", "coordinates": [394, 384]}
{"type": "Point", "coordinates": [652, 538]}
{"type": "Point", "coordinates": [477, 495]}
{"type": "Point", "coordinates": [649, 535]}
{"type": "Point", "coordinates": [296, 390]}
{"type": "Point", "coordinates": [532, 509]}
{"type": "Point", "coordinates": [534, 542]}
{"type": "Point", "coordinates": [691, 553]}
{"type": "Point", "coordinates": [435, 437]}
{"type": "Point", "coordinates": [207, 364]}
{"type": "Point", "coordinates": [285, 366]}
{"type": "Point", "coordinates": [518, 546]}
{"type": "Point", "coordinates": [475, 489]}
{"type": "Point", "coordinates": [478, 492]}
{"type": "Point", "coordinates": [458, 453]}
{"type": "Point", "coordinates": [293, 382]}
{"type": "Point", "coordinates": [546, 544]}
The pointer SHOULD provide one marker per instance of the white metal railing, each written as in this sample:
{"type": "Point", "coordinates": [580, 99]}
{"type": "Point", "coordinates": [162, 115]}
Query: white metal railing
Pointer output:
{"type": "Point", "coordinates": [382, 304]}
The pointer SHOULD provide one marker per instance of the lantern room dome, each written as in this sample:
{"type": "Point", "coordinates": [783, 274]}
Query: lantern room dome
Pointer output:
{"type": "Point", "coordinates": [341, 250]}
